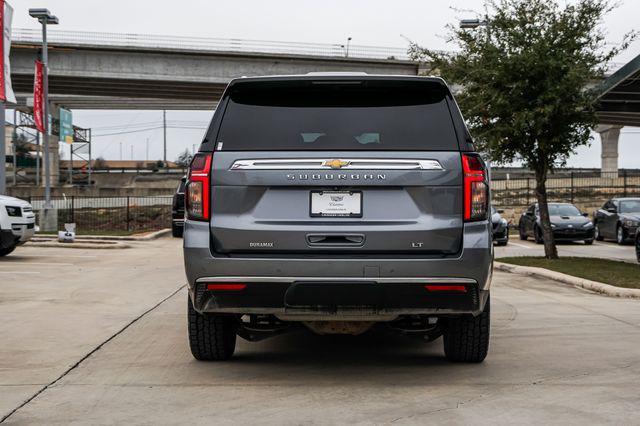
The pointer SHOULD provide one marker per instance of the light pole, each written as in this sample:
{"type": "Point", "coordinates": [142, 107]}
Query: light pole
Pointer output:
{"type": "Point", "coordinates": [473, 24]}
{"type": "Point", "coordinates": [45, 17]}
{"type": "Point", "coordinates": [348, 43]}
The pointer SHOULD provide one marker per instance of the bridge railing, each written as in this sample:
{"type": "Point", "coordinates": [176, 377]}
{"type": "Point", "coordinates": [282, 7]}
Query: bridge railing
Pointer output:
{"type": "Point", "coordinates": [22, 35]}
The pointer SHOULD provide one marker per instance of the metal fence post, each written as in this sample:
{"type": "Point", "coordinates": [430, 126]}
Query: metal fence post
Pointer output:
{"type": "Point", "coordinates": [128, 217]}
{"type": "Point", "coordinates": [73, 209]}
{"type": "Point", "coordinates": [624, 180]}
{"type": "Point", "coordinates": [571, 187]}
{"type": "Point", "coordinates": [528, 190]}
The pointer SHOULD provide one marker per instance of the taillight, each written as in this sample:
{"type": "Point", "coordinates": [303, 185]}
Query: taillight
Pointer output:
{"type": "Point", "coordinates": [457, 288]}
{"type": "Point", "coordinates": [476, 188]}
{"type": "Point", "coordinates": [226, 287]}
{"type": "Point", "coordinates": [199, 188]}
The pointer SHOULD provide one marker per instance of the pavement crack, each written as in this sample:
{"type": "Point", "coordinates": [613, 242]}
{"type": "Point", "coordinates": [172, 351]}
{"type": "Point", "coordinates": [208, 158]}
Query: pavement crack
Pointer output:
{"type": "Point", "coordinates": [87, 355]}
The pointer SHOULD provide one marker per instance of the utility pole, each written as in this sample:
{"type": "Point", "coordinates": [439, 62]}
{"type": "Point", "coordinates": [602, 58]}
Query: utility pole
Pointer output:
{"type": "Point", "coordinates": [164, 132]}
{"type": "Point", "coordinates": [120, 151]}
{"type": "Point", "coordinates": [37, 158]}
{"type": "Point", "coordinates": [3, 158]}
{"type": "Point", "coordinates": [147, 151]}
{"type": "Point", "coordinates": [131, 152]}
{"type": "Point", "coordinates": [45, 17]}
{"type": "Point", "coordinates": [15, 145]}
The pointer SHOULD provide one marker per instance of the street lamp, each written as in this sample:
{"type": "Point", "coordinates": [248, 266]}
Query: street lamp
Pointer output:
{"type": "Point", "coordinates": [45, 17]}
{"type": "Point", "coordinates": [472, 23]}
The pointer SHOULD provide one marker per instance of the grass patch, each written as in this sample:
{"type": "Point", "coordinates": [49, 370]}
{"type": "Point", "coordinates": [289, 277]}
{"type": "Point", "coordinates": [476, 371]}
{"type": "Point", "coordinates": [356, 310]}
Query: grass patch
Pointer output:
{"type": "Point", "coordinates": [619, 274]}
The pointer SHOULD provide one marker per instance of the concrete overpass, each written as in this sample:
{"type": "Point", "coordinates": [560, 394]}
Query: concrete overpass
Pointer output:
{"type": "Point", "coordinates": [618, 106]}
{"type": "Point", "coordinates": [128, 71]}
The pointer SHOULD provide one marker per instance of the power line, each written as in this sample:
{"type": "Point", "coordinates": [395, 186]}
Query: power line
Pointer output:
{"type": "Point", "coordinates": [148, 129]}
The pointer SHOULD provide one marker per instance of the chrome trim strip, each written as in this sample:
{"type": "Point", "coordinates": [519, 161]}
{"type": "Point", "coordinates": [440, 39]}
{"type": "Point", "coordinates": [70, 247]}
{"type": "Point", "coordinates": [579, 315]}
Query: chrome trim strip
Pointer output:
{"type": "Point", "coordinates": [424, 280]}
{"type": "Point", "coordinates": [321, 164]}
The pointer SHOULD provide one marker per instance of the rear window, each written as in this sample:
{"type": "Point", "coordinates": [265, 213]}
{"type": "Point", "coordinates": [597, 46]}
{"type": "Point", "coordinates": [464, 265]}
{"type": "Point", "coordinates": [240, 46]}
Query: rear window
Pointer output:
{"type": "Point", "coordinates": [337, 116]}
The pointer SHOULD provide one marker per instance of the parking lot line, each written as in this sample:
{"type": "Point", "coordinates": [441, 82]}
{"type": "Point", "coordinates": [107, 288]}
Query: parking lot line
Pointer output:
{"type": "Point", "coordinates": [519, 245]}
{"type": "Point", "coordinates": [612, 246]}
{"type": "Point", "coordinates": [18, 272]}
{"type": "Point", "coordinates": [58, 255]}
{"type": "Point", "coordinates": [38, 263]}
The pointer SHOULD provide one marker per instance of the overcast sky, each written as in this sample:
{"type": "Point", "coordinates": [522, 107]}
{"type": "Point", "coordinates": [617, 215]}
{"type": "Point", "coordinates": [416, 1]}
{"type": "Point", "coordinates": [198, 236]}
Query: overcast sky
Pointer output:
{"type": "Point", "coordinates": [368, 22]}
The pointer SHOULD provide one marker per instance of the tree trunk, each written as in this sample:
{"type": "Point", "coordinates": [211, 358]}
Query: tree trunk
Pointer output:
{"type": "Point", "coordinates": [550, 250]}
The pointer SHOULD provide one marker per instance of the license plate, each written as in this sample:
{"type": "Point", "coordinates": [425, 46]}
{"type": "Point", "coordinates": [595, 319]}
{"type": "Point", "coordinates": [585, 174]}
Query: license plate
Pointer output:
{"type": "Point", "coordinates": [336, 204]}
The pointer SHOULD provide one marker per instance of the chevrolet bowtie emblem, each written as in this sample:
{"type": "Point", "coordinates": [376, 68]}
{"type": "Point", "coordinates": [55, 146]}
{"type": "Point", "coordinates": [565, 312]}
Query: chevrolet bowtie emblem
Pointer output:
{"type": "Point", "coordinates": [335, 164]}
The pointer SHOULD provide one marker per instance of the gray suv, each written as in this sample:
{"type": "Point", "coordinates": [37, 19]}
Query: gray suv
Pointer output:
{"type": "Point", "coordinates": [338, 202]}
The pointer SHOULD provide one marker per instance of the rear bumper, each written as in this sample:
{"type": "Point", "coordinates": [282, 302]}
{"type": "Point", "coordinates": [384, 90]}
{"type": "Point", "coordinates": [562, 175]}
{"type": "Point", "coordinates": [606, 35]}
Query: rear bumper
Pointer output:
{"type": "Point", "coordinates": [304, 296]}
{"type": "Point", "coordinates": [386, 286]}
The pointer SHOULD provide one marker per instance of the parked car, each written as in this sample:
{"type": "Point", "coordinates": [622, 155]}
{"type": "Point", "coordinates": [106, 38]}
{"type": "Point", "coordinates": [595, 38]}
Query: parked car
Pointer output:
{"type": "Point", "coordinates": [618, 219]}
{"type": "Point", "coordinates": [17, 223]}
{"type": "Point", "coordinates": [638, 244]}
{"type": "Point", "coordinates": [567, 222]}
{"type": "Point", "coordinates": [499, 227]}
{"type": "Point", "coordinates": [177, 209]}
{"type": "Point", "coordinates": [335, 202]}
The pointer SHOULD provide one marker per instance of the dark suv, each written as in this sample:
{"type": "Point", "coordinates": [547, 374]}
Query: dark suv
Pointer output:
{"type": "Point", "coordinates": [338, 202]}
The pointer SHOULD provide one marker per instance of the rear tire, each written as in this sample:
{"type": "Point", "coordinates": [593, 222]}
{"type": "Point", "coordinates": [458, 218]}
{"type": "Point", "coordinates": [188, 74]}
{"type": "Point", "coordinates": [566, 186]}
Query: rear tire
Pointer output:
{"type": "Point", "coordinates": [588, 242]}
{"type": "Point", "coordinates": [6, 251]}
{"type": "Point", "coordinates": [466, 338]}
{"type": "Point", "coordinates": [212, 337]}
{"type": "Point", "coordinates": [176, 231]}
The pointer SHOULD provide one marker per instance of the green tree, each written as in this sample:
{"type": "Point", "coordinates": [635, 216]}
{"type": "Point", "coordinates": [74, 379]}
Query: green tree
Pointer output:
{"type": "Point", "coordinates": [184, 159]}
{"type": "Point", "coordinates": [100, 164]}
{"type": "Point", "coordinates": [527, 78]}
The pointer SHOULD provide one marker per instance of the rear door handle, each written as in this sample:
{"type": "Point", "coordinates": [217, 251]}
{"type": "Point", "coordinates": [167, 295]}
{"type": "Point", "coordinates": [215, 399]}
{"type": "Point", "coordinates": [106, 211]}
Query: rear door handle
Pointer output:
{"type": "Point", "coordinates": [327, 240]}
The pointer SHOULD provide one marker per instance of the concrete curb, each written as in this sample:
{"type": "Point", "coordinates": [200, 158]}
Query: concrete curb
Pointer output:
{"type": "Point", "coordinates": [80, 245]}
{"type": "Point", "coordinates": [606, 289]}
{"type": "Point", "coordinates": [146, 237]}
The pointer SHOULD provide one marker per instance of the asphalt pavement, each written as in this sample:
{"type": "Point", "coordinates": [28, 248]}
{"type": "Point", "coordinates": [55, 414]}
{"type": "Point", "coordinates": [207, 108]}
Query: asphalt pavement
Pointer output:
{"type": "Point", "coordinates": [601, 249]}
{"type": "Point", "coordinates": [100, 338]}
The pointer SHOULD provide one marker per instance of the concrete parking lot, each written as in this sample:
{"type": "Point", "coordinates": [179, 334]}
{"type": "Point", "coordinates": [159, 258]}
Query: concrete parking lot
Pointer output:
{"type": "Point", "coordinates": [601, 249]}
{"type": "Point", "coordinates": [99, 336]}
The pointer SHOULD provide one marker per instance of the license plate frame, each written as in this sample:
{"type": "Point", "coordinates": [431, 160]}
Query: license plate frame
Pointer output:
{"type": "Point", "coordinates": [348, 211]}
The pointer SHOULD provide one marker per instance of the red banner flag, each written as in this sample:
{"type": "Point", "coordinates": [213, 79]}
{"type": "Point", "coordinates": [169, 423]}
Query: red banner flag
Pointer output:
{"type": "Point", "coordinates": [38, 107]}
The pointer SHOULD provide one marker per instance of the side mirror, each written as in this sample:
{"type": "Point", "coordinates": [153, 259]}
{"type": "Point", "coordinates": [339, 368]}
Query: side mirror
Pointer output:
{"type": "Point", "coordinates": [585, 214]}
{"type": "Point", "coordinates": [501, 211]}
{"type": "Point", "coordinates": [611, 209]}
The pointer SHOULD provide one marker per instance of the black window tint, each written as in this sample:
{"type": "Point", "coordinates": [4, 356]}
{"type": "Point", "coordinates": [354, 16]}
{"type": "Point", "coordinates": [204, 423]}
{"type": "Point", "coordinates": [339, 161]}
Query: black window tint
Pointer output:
{"type": "Point", "coordinates": [630, 206]}
{"type": "Point", "coordinates": [327, 115]}
{"type": "Point", "coordinates": [563, 210]}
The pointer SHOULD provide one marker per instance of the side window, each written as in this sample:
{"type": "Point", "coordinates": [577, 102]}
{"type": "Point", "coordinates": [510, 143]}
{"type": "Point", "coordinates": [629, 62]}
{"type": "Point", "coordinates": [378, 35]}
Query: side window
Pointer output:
{"type": "Point", "coordinates": [606, 205]}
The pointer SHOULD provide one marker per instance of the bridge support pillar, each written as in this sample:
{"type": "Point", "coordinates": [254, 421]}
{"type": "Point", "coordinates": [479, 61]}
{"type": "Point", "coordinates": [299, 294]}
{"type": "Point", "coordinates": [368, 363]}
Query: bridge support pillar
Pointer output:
{"type": "Point", "coordinates": [609, 136]}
